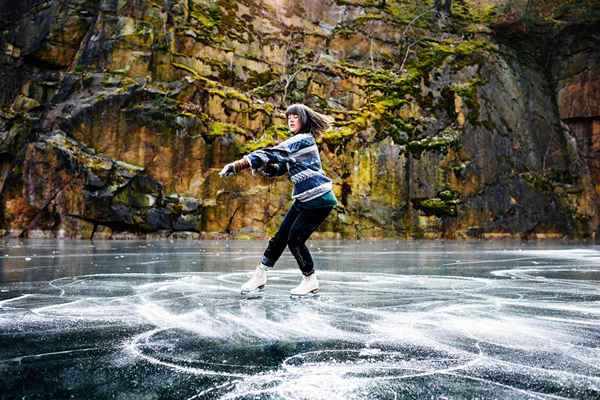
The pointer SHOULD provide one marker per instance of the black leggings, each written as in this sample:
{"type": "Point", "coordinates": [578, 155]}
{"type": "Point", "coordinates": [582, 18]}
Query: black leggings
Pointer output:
{"type": "Point", "coordinates": [299, 223]}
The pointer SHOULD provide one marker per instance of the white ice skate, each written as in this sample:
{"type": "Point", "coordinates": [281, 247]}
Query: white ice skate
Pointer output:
{"type": "Point", "coordinates": [257, 280]}
{"type": "Point", "coordinates": [308, 285]}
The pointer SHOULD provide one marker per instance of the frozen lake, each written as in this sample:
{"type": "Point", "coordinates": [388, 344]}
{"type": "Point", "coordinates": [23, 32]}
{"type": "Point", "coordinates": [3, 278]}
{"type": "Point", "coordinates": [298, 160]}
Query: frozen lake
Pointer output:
{"type": "Point", "coordinates": [394, 320]}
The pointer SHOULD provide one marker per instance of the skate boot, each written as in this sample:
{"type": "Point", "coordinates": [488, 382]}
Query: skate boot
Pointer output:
{"type": "Point", "coordinates": [308, 285]}
{"type": "Point", "coordinates": [257, 280]}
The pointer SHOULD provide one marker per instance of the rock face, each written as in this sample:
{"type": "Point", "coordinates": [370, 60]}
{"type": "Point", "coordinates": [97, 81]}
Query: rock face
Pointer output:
{"type": "Point", "coordinates": [577, 75]}
{"type": "Point", "coordinates": [86, 193]}
{"type": "Point", "coordinates": [116, 115]}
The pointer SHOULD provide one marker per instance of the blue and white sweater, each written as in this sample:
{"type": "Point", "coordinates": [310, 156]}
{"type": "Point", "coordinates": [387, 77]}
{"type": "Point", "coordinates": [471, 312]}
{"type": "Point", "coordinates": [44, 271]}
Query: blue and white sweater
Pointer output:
{"type": "Point", "coordinates": [299, 157]}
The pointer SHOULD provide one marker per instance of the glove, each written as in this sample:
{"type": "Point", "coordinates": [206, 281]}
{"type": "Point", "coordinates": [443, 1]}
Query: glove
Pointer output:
{"type": "Point", "coordinates": [235, 167]}
{"type": "Point", "coordinates": [228, 170]}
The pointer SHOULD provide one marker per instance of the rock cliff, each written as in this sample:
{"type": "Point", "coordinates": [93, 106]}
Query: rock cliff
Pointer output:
{"type": "Point", "coordinates": [116, 116]}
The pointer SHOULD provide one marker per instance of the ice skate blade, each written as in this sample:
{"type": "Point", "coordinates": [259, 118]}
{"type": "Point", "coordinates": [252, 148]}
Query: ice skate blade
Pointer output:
{"type": "Point", "coordinates": [252, 294]}
{"type": "Point", "coordinates": [312, 293]}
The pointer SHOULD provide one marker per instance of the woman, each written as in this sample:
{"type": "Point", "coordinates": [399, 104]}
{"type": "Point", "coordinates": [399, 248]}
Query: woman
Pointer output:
{"type": "Point", "coordinates": [297, 156]}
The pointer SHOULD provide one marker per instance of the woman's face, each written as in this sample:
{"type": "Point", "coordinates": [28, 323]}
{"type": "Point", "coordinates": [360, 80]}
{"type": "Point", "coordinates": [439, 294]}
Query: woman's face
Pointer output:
{"type": "Point", "coordinates": [294, 123]}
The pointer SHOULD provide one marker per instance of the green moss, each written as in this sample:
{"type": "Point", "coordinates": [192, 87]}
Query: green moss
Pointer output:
{"type": "Point", "coordinates": [159, 112]}
{"type": "Point", "coordinates": [457, 167]}
{"type": "Point", "coordinates": [98, 165]}
{"type": "Point", "coordinates": [207, 83]}
{"type": "Point", "coordinates": [484, 14]}
{"type": "Point", "coordinates": [468, 92]}
{"type": "Point", "coordinates": [227, 92]}
{"type": "Point", "coordinates": [433, 204]}
{"type": "Point", "coordinates": [186, 68]}
{"type": "Point", "coordinates": [358, 3]}
{"type": "Point", "coordinates": [433, 54]}
{"type": "Point", "coordinates": [144, 34]}
{"type": "Point", "coordinates": [448, 195]}
{"type": "Point", "coordinates": [164, 102]}
{"type": "Point", "coordinates": [373, 75]}
{"type": "Point", "coordinates": [230, 93]}
{"type": "Point", "coordinates": [344, 31]}
{"type": "Point", "coordinates": [381, 112]}
{"type": "Point", "coordinates": [258, 79]}
{"type": "Point", "coordinates": [267, 107]}
{"type": "Point", "coordinates": [369, 16]}
{"type": "Point", "coordinates": [133, 198]}
{"type": "Point", "coordinates": [130, 168]}
{"type": "Point", "coordinates": [186, 114]}
{"type": "Point", "coordinates": [438, 206]}
{"type": "Point", "coordinates": [404, 12]}
{"type": "Point", "coordinates": [393, 87]}
{"type": "Point", "coordinates": [549, 182]}
{"type": "Point", "coordinates": [338, 136]}
{"type": "Point", "coordinates": [251, 105]}
{"type": "Point", "coordinates": [206, 22]}
{"type": "Point", "coordinates": [265, 91]}
{"type": "Point", "coordinates": [387, 92]}
{"type": "Point", "coordinates": [218, 128]}
{"type": "Point", "coordinates": [537, 181]}
{"type": "Point", "coordinates": [448, 137]}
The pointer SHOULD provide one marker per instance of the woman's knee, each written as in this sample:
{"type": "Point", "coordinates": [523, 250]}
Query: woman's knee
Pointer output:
{"type": "Point", "coordinates": [278, 240]}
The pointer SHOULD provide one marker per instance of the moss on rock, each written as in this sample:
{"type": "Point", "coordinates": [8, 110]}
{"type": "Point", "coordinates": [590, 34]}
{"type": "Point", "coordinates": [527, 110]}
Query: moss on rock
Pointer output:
{"type": "Point", "coordinates": [440, 207]}
{"type": "Point", "coordinates": [449, 137]}
{"type": "Point", "coordinates": [468, 93]}
{"type": "Point", "coordinates": [218, 128]}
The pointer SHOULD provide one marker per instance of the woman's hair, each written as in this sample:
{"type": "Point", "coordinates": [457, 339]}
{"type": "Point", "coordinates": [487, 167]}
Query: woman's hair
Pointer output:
{"type": "Point", "coordinates": [311, 120]}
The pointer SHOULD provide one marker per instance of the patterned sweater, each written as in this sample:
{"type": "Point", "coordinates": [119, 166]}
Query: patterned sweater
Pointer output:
{"type": "Point", "coordinates": [299, 157]}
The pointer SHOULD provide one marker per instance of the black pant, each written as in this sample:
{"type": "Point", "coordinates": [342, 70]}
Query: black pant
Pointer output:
{"type": "Point", "coordinates": [299, 223]}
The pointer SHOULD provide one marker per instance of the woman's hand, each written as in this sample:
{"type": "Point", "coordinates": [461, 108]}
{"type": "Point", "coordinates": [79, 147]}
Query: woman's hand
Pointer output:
{"type": "Point", "coordinates": [235, 167]}
{"type": "Point", "coordinates": [228, 170]}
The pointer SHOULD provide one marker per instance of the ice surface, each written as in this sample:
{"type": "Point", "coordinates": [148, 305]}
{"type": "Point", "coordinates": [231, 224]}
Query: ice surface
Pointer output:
{"type": "Point", "coordinates": [394, 320]}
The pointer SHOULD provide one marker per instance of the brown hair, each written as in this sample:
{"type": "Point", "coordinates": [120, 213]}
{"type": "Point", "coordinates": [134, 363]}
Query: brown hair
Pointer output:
{"type": "Point", "coordinates": [311, 120]}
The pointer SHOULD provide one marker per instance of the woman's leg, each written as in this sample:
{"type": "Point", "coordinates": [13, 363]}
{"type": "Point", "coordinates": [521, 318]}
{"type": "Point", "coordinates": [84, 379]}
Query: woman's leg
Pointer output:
{"type": "Point", "coordinates": [305, 224]}
{"type": "Point", "coordinates": [279, 241]}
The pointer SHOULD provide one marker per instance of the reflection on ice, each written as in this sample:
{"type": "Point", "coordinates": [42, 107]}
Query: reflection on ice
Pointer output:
{"type": "Point", "coordinates": [409, 323]}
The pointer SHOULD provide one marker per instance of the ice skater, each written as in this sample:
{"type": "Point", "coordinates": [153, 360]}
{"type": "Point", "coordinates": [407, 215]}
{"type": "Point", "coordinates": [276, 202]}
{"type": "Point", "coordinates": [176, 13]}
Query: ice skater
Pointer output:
{"type": "Point", "coordinates": [313, 197]}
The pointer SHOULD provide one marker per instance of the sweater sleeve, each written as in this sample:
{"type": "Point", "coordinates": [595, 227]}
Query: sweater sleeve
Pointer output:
{"type": "Point", "coordinates": [276, 158]}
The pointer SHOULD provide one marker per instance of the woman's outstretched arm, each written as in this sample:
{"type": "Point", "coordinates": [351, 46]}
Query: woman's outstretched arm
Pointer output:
{"type": "Point", "coordinates": [270, 161]}
{"type": "Point", "coordinates": [235, 167]}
